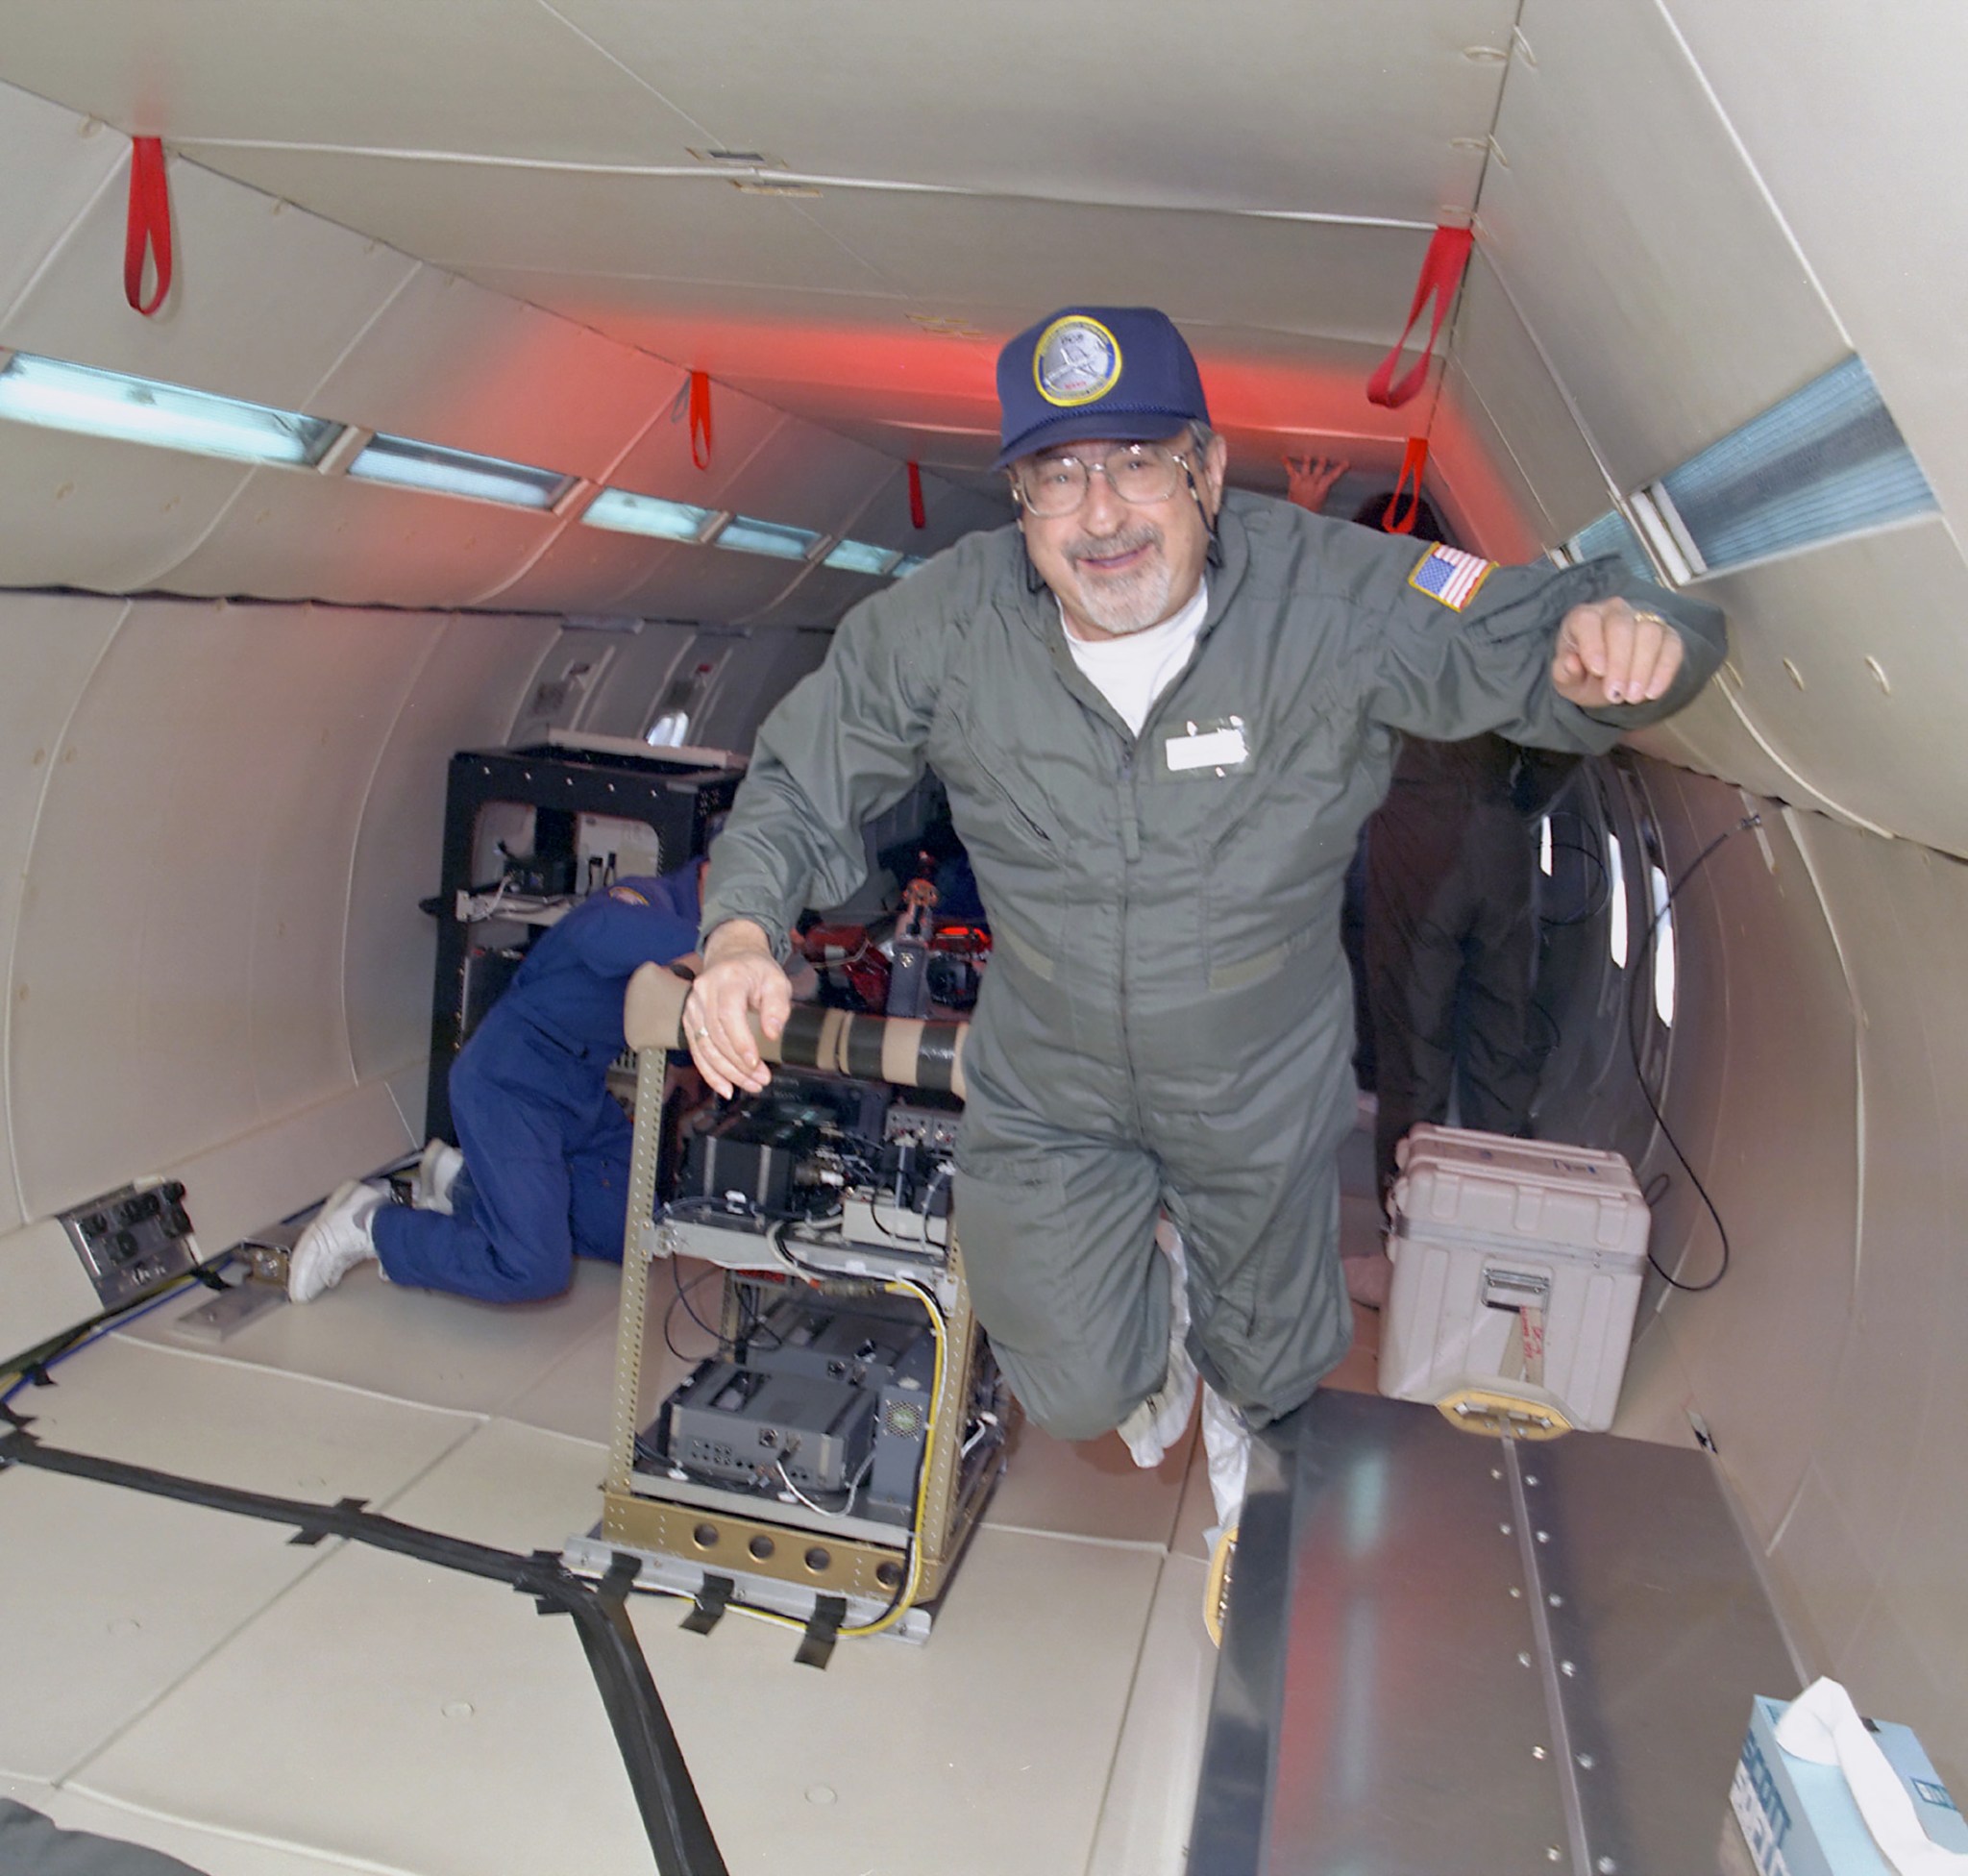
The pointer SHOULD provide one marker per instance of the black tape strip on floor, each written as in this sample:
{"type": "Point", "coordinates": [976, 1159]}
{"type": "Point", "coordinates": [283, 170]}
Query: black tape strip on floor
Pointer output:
{"type": "Point", "coordinates": [679, 1833]}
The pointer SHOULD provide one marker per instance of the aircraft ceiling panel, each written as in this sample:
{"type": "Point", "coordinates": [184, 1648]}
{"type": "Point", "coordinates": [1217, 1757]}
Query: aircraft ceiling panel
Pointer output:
{"type": "Point", "coordinates": [1845, 111]}
{"type": "Point", "coordinates": [293, 536]}
{"type": "Point", "coordinates": [1637, 244]}
{"type": "Point", "coordinates": [1499, 362]}
{"type": "Point", "coordinates": [1885, 743]}
{"type": "Point", "coordinates": [1484, 497]}
{"type": "Point", "coordinates": [431, 75]}
{"type": "Point", "coordinates": [71, 162]}
{"type": "Point", "coordinates": [464, 215]}
{"type": "Point", "coordinates": [448, 363]}
{"type": "Point", "coordinates": [1023, 256]}
{"type": "Point", "coordinates": [108, 517]}
{"type": "Point", "coordinates": [1345, 110]}
{"type": "Point", "coordinates": [264, 299]}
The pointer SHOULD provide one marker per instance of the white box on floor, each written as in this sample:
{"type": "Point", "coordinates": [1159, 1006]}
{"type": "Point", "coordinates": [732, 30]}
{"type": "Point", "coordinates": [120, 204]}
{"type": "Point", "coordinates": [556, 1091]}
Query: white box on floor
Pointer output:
{"type": "Point", "coordinates": [1517, 1267]}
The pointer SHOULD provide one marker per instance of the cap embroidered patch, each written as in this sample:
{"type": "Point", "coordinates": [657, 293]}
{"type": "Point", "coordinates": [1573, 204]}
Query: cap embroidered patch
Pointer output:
{"type": "Point", "coordinates": [1076, 361]}
{"type": "Point", "coordinates": [1450, 577]}
{"type": "Point", "coordinates": [627, 894]}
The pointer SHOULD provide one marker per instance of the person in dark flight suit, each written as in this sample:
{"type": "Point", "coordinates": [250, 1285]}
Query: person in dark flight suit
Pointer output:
{"type": "Point", "coordinates": [540, 1175]}
{"type": "Point", "coordinates": [1451, 932]}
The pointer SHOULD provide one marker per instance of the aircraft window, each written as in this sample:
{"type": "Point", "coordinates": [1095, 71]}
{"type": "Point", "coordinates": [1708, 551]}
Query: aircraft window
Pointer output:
{"type": "Point", "coordinates": [411, 464]}
{"type": "Point", "coordinates": [1663, 946]}
{"type": "Point", "coordinates": [1828, 460]}
{"type": "Point", "coordinates": [56, 396]}
{"type": "Point", "coordinates": [1612, 533]}
{"type": "Point", "coordinates": [624, 513]}
{"type": "Point", "coordinates": [857, 557]}
{"type": "Point", "coordinates": [751, 535]}
{"type": "Point", "coordinates": [1615, 886]}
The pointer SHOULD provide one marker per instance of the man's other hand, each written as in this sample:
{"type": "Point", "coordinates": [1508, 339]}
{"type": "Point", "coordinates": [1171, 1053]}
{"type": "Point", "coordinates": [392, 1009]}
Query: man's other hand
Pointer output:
{"type": "Point", "coordinates": [740, 975]}
{"type": "Point", "coordinates": [1608, 653]}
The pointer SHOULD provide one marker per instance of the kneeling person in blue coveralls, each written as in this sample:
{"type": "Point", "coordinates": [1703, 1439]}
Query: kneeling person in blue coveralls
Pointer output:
{"type": "Point", "coordinates": [542, 1173]}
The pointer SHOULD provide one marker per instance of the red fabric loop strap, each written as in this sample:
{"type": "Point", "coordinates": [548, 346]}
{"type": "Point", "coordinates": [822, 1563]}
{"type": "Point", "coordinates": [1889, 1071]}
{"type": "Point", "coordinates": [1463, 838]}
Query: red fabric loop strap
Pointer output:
{"type": "Point", "coordinates": [1413, 466]}
{"type": "Point", "coordinates": [1441, 273]}
{"type": "Point", "coordinates": [701, 418]}
{"type": "Point", "coordinates": [149, 228]}
{"type": "Point", "coordinates": [917, 513]}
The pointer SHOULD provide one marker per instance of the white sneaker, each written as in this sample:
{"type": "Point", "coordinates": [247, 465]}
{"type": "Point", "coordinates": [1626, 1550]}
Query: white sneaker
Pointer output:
{"type": "Point", "coordinates": [341, 1235]}
{"type": "Point", "coordinates": [436, 1174]}
{"type": "Point", "coordinates": [1226, 1444]}
{"type": "Point", "coordinates": [1161, 1419]}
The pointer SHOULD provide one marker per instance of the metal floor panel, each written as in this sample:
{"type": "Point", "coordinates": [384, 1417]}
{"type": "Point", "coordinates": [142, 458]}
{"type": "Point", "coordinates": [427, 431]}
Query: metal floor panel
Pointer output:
{"type": "Point", "coordinates": [1446, 1656]}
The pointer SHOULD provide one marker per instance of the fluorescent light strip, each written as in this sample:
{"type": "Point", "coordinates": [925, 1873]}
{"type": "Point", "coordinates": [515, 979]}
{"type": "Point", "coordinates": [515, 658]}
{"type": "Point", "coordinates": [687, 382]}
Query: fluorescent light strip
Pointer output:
{"type": "Point", "coordinates": [407, 463]}
{"type": "Point", "coordinates": [749, 535]}
{"type": "Point", "coordinates": [90, 403]}
{"type": "Point", "coordinates": [624, 513]}
{"type": "Point", "coordinates": [859, 557]}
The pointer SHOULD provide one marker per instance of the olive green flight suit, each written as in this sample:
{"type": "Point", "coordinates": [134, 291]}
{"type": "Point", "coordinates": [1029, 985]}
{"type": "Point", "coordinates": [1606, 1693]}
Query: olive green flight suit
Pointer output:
{"type": "Point", "coordinates": [1167, 1020]}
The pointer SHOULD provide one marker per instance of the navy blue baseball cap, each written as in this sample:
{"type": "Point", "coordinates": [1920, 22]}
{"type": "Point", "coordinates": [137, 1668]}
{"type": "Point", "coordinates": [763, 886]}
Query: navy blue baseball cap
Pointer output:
{"type": "Point", "coordinates": [1119, 371]}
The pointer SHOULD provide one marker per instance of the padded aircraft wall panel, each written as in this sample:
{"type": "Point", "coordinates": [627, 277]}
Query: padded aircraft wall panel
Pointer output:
{"type": "Point", "coordinates": [1638, 243]}
{"type": "Point", "coordinates": [588, 570]}
{"type": "Point", "coordinates": [1715, 736]}
{"type": "Point", "coordinates": [472, 676]}
{"type": "Point", "coordinates": [297, 535]}
{"type": "Point", "coordinates": [445, 361]}
{"type": "Point", "coordinates": [1762, 1091]}
{"type": "Point", "coordinates": [1500, 366]}
{"type": "Point", "coordinates": [71, 159]}
{"type": "Point", "coordinates": [185, 931]}
{"type": "Point", "coordinates": [1854, 670]}
{"type": "Point", "coordinates": [1879, 1540]}
{"type": "Point", "coordinates": [53, 643]}
{"type": "Point", "coordinates": [641, 664]}
{"type": "Point", "coordinates": [265, 298]}
{"type": "Point", "coordinates": [114, 517]}
{"type": "Point", "coordinates": [819, 596]}
{"type": "Point", "coordinates": [1847, 114]}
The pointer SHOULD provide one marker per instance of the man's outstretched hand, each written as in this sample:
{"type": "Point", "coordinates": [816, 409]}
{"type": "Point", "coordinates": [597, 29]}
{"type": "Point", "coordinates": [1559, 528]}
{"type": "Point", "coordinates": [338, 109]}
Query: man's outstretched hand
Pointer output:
{"type": "Point", "coordinates": [740, 975]}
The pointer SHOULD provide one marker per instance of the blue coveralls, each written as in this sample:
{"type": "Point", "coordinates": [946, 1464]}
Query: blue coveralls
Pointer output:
{"type": "Point", "coordinates": [545, 1146]}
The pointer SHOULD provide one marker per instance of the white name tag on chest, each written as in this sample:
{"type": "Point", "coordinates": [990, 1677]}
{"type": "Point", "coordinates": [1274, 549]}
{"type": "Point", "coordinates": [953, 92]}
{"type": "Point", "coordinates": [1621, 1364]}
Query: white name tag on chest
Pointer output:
{"type": "Point", "coordinates": [1211, 748]}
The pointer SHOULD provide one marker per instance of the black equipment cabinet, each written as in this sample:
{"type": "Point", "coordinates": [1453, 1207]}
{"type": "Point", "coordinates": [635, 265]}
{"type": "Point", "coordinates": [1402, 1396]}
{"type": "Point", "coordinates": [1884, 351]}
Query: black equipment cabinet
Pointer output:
{"type": "Point", "coordinates": [675, 799]}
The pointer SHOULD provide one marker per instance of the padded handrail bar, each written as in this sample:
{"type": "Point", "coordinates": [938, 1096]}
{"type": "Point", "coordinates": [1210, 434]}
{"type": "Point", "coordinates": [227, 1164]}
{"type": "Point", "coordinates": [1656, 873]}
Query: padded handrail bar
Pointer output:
{"type": "Point", "coordinates": [903, 1051]}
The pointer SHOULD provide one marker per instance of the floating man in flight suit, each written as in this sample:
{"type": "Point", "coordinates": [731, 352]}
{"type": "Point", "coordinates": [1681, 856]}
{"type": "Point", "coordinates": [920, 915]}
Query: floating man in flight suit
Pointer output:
{"type": "Point", "coordinates": [543, 1174]}
{"type": "Point", "coordinates": [1161, 711]}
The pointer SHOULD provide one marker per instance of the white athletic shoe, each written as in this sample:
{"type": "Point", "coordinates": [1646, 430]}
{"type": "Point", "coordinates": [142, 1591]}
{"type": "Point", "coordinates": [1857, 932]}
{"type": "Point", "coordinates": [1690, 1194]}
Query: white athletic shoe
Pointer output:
{"type": "Point", "coordinates": [1160, 1420]}
{"type": "Point", "coordinates": [436, 1174]}
{"type": "Point", "coordinates": [341, 1235]}
{"type": "Point", "coordinates": [1226, 1444]}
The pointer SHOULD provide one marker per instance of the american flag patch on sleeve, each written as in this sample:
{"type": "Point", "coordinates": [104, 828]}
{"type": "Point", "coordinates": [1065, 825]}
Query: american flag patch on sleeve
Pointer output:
{"type": "Point", "coordinates": [1450, 577]}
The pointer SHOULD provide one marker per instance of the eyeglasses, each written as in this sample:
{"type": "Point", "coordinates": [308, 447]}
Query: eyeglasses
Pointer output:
{"type": "Point", "coordinates": [1051, 486]}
